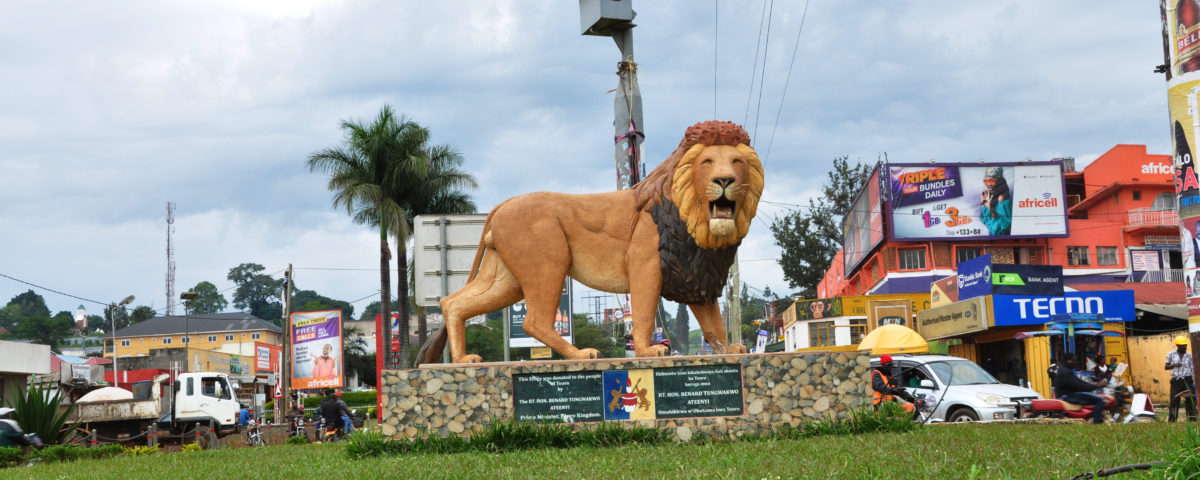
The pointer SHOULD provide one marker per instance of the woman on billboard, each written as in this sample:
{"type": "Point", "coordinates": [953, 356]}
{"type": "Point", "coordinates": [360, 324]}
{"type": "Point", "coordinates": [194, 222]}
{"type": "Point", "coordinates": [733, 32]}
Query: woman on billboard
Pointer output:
{"type": "Point", "coordinates": [997, 203]}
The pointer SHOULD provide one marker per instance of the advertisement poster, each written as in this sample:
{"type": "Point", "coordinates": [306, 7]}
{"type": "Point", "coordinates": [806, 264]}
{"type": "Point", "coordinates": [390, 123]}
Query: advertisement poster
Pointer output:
{"type": "Point", "coordinates": [975, 277]}
{"type": "Point", "coordinates": [862, 226]}
{"type": "Point", "coordinates": [562, 322]}
{"type": "Point", "coordinates": [976, 201]}
{"type": "Point", "coordinates": [266, 358]}
{"type": "Point", "coordinates": [1181, 44]}
{"type": "Point", "coordinates": [1114, 305]}
{"type": "Point", "coordinates": [316, 349]}
{"type": "Point", "coordinates": [944, 291]}
{"type": "Point", "coordinates": [819, 308]}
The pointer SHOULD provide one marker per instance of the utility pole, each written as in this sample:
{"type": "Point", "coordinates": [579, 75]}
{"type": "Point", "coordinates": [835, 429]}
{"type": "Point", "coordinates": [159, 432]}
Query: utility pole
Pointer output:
{"type": "Point", "coordinates": [733, 325]}
{"type": "Point", "coordinates": [286, 362]}
{"type": "Point", "coordinates": [614, 18]}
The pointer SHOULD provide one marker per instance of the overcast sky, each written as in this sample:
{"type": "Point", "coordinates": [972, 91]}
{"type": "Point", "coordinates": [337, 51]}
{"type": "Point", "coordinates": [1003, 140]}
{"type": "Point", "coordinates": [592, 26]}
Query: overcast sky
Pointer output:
{"type": "Point", "coordinates": [112, 109]}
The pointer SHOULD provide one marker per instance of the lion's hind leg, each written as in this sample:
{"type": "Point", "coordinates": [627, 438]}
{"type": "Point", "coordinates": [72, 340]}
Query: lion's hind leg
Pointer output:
{"type": "Point", "coordinates": [494, 287]}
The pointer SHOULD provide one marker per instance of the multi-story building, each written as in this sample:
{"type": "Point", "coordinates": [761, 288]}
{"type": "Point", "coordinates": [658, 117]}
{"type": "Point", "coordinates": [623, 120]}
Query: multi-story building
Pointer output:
{"type": "Point", "coordinates": [233, 333]}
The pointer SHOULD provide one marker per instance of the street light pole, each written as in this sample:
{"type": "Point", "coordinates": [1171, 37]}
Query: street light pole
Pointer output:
{"type": "Point", "coordinates": [112, 318]}
{"type": "Point", "coordinates": [187, 338]}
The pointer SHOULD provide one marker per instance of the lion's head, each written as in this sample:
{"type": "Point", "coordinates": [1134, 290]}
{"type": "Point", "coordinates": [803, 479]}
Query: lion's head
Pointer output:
{"type": "Point", "coordinates": [715, 180]}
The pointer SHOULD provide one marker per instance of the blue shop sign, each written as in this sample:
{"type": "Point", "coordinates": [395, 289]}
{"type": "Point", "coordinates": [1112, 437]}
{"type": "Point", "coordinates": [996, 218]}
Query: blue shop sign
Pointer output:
{"type": "Point", "coordinates": [975, 277]}
{"type": "Point", "coordinates": [1114, 305]}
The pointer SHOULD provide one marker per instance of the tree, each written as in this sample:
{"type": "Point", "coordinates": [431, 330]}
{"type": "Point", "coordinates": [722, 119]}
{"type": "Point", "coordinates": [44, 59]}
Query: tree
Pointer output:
{"type": "Point", "coordinates": [141, 314]}
{"type": "Point", "coordinates": [52, 331]}
{"type": "Point", "coordinates": [362, 173]}
{"type": "Point", "coordinates": [588, 335]}
{"type": "Point", "coordinates": [257, 292]}
{"type": "Point", "coordinates": [28, 304]}
{"type": "Point", "coordinates": [809, 240]}
{"type": "Point", "coordinates": [208, 299]}
{"type": "Point", "coordinates": [310, 300]}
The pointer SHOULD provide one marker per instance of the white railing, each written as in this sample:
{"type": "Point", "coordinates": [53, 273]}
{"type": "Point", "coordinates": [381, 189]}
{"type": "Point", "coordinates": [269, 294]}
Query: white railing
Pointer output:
{"type": "Point", "coordinates": [1167, 275]}
{"type": "Point", "coordinates": [1150, 216]}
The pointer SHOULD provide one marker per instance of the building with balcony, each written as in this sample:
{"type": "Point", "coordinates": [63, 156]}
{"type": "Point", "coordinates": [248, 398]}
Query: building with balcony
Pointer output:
{"type": "Point", "coordinates": [233, 333]}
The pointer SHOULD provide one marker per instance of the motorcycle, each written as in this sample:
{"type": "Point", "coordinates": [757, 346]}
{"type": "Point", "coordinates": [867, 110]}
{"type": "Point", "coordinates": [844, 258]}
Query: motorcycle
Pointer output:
{"type": "Point", "coordinates": [1122, 405]}
{"type": "Point", "coordinates": [254, 434]}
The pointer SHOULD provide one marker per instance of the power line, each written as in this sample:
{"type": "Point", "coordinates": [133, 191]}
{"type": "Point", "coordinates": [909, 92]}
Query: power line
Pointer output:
{"type": "Point", "coordinates": [763, 74]}
{"type": "Point", "coordinates": [754, 67]}
{"type": "Point", "coordinates": [786, 81]}
{"type": "Point", "coordinates": [48, 289]}
{"type": "Point", "coordinates": [716, 46]}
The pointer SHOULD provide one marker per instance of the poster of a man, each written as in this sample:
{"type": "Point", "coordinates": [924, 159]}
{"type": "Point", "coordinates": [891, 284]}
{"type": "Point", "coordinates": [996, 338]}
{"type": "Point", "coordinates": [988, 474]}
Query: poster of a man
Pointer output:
{"type": "Point", "coordinates": [317, 349]}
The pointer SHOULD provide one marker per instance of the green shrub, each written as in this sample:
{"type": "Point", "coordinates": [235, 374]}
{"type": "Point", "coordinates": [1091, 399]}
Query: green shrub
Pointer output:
{"type": "Point", "coordinates": [298, 440]}
{"type": "Point", "coordinates": [59, 453]}
{"type": "Point", "coordinates": [193, 447]}
{"type": "Point", "coordinates": [505, 437]}
{"type": "Point", "coordinates": [10, 456]}
{"type": "Point", "coordinates": [891, 417]}
{"type": "Point", "coordinates": [139, 450]}
{"type": "Point", "coordinates": [38, 412]}
{"type": "Point", "coordinates": [103, 451]}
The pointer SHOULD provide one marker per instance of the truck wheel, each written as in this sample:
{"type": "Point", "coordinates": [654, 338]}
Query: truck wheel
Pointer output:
{"type": "Point", "coordinates": [963, 414]}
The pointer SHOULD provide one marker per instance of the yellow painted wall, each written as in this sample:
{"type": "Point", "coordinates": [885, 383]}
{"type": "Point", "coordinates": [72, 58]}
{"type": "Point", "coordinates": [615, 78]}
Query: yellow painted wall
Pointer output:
{"type": "Point", "coordinates": [1037, 360]}
{"type": "Point", "coordinates": [965, 350]}
{"type": "Point", "coordinates": [1147, 356]}
{"type": "Point", "coordinates": [139, 346]}
{"type": "Point", "coordinates": [1118, 347]}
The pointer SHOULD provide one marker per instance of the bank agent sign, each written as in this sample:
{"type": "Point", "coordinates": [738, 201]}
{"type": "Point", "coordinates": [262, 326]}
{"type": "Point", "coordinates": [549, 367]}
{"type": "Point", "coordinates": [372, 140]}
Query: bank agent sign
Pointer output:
{"type": "Point", "coordinates": [1115, 305]}
{"type": "Point", "coordinates": [317, 349]}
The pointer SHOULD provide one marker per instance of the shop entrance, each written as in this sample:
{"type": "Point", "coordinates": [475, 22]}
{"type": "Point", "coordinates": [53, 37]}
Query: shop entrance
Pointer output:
{"type": "Point", "coordinates": [1005, 360]}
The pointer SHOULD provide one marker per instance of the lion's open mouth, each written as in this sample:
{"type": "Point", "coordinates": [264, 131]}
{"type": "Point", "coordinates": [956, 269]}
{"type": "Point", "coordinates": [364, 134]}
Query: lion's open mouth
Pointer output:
{"type": "Point", "coordinates": [721, 209]}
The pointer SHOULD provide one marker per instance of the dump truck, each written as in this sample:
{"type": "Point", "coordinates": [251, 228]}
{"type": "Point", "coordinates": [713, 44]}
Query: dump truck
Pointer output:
{"type": "Point", "coordinates": [201, 408]}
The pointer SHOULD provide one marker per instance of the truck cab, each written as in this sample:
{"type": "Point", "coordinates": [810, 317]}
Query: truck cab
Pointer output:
{"type": "Point", "coordinates": [204, 397]}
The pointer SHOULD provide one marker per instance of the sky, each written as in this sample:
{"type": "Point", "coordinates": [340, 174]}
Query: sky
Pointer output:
{"type": "Point", "coordinates": [113, 109]}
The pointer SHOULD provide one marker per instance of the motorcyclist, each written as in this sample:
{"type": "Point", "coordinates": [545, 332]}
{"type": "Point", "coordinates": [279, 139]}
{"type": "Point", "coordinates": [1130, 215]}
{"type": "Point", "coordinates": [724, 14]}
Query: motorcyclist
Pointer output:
{"type": "Point", "coordinates": [11, 433]}
{"type": "Point", "coordinates": [335, 411]}
{"type": "Point", "coordinates": [1070, 388]}
{"type": "Point", "coordinates": [883, 383]}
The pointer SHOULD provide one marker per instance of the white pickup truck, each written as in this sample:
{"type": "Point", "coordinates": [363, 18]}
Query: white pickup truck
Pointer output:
{"type": "Point", "coordinates": [198, 399]}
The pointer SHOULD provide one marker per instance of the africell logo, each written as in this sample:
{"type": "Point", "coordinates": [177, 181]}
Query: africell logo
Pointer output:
{"type": "Point", "coordinates": [1161, 168]}
{"type": "Point", "coordinates": [1047, 200]}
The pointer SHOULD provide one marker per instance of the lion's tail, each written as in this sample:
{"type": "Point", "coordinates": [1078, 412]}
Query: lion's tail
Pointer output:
{"type": "Point", "coordinates": [431, 350]}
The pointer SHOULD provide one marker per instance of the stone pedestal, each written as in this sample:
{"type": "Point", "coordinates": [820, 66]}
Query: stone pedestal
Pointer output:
{"type": "Point", "coordinates": [687, 394]}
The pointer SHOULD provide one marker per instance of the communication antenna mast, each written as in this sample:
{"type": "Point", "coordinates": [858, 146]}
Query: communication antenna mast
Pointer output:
{"type": "Point", "coordinates": [170, 258]}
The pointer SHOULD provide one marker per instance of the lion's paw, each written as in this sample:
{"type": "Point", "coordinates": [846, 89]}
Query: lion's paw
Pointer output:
{"type": "Point", "coordinates": [654, 351]}
{"type": "Point", "coordinates": [586, 354]}
{"type": "Point", "coordinates": [472, 358]}
{"type": "Point", "coordinates": [736, 349]}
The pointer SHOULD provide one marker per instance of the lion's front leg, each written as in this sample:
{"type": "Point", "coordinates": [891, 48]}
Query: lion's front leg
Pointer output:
{"type": "Point", "coordinates": [645, 286]}
{"type": "Point", "coordinates": [713, 326]}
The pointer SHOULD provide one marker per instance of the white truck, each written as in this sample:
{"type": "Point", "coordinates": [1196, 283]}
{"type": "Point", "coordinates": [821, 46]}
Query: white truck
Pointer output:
{"type": "Point", "coordinates": [199, 400]}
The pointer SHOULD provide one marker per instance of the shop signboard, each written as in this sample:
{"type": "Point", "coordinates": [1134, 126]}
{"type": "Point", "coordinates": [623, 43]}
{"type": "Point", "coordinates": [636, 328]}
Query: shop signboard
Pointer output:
{"type": "Point", "coordinates": [856, 306]}
{"type": "Point", "coordinates": [266, 358]}
{"type": "Point", "coordinates": [1010, 279]}
{"type": "Point", "coordinates": [953, 319]}
{"type": "Point", "coordinates": [562, 321]}
{"type": "Point", "coordinates": [1146, 260]}
{"type": "Point", "coordinates": [1115, 305]}
{"type": "Point", "coordinates": [944, 291]}
{"type": "Point", "coordinates": [819, 308]}
{"type": "Point", "coordinates": [960, 201]}
{"type": "Point", "coordinates": [889, 312]}
{"type": "Point", "coordinates": [975, 277]}
{"type": "Point", "coordinates": [862, 226]}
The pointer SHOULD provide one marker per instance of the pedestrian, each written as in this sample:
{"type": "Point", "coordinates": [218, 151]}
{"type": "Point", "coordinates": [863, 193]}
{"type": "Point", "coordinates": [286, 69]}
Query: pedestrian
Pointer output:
{"type": "Point", "coordinates": [1179, 362]}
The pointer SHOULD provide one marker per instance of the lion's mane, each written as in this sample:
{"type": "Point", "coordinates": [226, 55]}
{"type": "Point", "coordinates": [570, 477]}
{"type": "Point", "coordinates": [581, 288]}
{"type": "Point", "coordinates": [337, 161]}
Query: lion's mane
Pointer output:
{"type": "Point", "coordinates": [672, 181]}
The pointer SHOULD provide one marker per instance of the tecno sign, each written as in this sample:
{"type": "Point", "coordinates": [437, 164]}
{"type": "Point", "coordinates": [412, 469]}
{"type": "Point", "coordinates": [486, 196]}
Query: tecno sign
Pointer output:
{"type": "Point", "coordinates": [1115, 305]}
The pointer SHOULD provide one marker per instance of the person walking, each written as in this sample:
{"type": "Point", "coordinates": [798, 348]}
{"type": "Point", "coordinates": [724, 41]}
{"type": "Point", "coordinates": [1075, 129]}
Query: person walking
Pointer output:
{"type": "Point", "coordinates": [1179, 362]}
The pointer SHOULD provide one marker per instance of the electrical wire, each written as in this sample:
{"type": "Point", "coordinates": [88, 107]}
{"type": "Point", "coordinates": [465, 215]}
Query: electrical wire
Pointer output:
{"type": "Point", "coordinates": [763, 73]}
{"type": "Point", "coordinates": [787, 80]}
{"type": "Point", "coordinates": [754, 67]}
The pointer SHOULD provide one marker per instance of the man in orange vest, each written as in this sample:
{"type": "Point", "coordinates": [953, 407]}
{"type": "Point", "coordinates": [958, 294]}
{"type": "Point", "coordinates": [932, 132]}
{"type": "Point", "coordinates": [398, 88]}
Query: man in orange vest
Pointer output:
{"type": "Point", "coordinates": [883, 385]}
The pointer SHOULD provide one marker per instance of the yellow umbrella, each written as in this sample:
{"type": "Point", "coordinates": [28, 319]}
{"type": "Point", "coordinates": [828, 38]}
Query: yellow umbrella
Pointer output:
{"type": "Point", "coordinates": [893, 339]}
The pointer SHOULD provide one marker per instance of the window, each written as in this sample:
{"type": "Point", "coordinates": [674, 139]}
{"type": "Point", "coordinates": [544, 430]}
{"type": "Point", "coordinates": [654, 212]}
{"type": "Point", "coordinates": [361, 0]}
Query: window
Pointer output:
{"type": "Point", "coordinates": [212, 338]}
{"type": "Point", "coordinates": [856, 333]}
{"type": "Point", "coordinates": [962, 254]}
{"type": "Point", "coordinates": [191, 387]}
{"type": "Point", "coordinates": [166, 340]}
{"type": "Point", "coordinates": [1137, 195]}
{"type": "Point", "coordinates": [124, 343]}
{"type": "Point", "coordinates": [1165, 201]}
{"type": "Point", "coordinates": [820, 334]}
{"type": "Point", "coordinates": [213, 387]}
{"type": "Point", "coordinates": [1106, 255]}
{"type": "Point", "coordinates": [229, 337]}
{"type": "Point", "coordinates": [255, 336]}
{"type": "Point", "coordinates": [912, 258]}
{"type": "Point", "coordinates": [1077, 256]}
{"type": "Point", "coordinates": [185, 339]}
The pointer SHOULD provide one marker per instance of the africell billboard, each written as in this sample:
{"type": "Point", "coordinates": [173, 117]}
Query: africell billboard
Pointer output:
{"type": "Point", "coordinates": [316, 349]}
{"type": "Point", "coordinates": [862, 226]}
{"type": "Point", "coordinates": [976, 201]}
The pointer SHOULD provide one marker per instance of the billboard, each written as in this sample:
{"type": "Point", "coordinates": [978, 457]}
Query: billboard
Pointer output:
{"type": "Point", "coordinates": [819, 308]}
{"type": "Point", "coordinates": [862, 226]}
{"type": "Point", "coordinates": [953, 319]}
{"type": "Point", "coordinates": [1115, 305]}
{"type": "Point", "coordinates": [316, 349]}
{"type": "Point", "coordinates": [266, 358]}
{"type": "Point", "coordinates": [958, 201]}
{"type": "Point", "coordinates": [562, 321]}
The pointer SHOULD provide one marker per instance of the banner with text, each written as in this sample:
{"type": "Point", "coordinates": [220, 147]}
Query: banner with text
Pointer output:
{"type": "Point", "coordinates": [954, 319]}
{"type": "Point", "coordinates": [266, 358]}
{"type": "Point", "coordinates": [562, 321]}
{"type": "Point", "coordinates": [974, 201]}
{"type": "Point", "coordinates": [1115, 305]}
{"type": "Point", "coordinates": [316, 349]}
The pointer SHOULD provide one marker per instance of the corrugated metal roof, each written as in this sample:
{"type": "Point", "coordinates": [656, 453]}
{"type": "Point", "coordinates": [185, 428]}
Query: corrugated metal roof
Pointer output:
{"type": "Point", "coordinates": [198, 324]}
{"type": "Point", "coordinates": [1165, 293]}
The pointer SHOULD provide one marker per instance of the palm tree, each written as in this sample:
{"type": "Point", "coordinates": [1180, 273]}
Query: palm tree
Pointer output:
{"type": "Point", "coordinates": [438, 190]}
{"type": "Point", "coordinates": [363, 172]}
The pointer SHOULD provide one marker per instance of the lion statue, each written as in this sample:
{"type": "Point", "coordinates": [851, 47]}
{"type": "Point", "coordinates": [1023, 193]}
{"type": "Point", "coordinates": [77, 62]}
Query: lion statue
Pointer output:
{"type": "Point", "coordinates": [673, 235]}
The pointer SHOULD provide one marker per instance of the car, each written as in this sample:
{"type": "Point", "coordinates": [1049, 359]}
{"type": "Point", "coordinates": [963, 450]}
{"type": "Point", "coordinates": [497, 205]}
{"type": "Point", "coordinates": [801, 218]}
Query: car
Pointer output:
{"type": "Point", "coordinates": [961, 390]}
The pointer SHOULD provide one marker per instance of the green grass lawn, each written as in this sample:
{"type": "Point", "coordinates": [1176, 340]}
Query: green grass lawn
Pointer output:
{"type": "Point", "coordinates": [1019, 451]}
